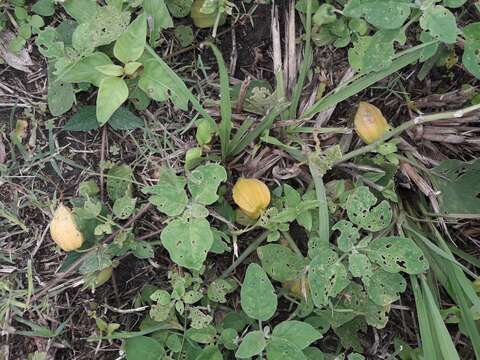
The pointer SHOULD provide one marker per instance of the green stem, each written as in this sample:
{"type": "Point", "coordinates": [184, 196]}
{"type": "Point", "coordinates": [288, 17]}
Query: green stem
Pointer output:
{"type": "Point", "coordinates": [419, 120]}
{"type": "Point", "coordinates": [251, 248]}
{"type": "Point", "coordinates": [291, 242]}
{"type": "Point", "coordinates": [323, 215]}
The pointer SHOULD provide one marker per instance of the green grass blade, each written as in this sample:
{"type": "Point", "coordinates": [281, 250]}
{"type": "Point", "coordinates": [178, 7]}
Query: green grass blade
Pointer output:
{"type": "Point", "coordinates": [225, 127]}
{"type": "Point", "coordinates": [324, 220]}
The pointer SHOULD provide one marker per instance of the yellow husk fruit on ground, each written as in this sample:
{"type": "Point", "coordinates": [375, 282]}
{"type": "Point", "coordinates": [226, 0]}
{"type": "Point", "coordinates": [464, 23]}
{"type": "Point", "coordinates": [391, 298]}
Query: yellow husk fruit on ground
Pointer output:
{"type": "Point", "coordinates": [252, 196]}
{"type": "Point", "coordinates": [370, 124]}
{"type": "Point", "coordinates": [64, 231]}
{"type": "Point", "coordinates": [202, 20]}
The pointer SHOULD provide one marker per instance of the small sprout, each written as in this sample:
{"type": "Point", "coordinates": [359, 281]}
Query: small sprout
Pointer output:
{"type": "Point", "coordinates": [252, 196]}
{"type": "Point", "coordinates": [64, 230]}
{"type": "Point", "coordinates": [370, 124]}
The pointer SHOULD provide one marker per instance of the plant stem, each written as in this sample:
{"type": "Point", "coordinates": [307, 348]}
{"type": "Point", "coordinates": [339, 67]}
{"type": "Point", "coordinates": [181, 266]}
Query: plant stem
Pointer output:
{"type": "Point", "coordinates": [419, 120]}
{"type": "Point", "coordinates": [291, 242]}
{"type": "Point", "coordinates": [251, 248]}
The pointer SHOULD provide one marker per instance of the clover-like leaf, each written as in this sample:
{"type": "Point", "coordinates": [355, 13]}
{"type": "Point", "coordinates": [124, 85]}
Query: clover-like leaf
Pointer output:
{"type": "Point", "coordinates": [168, 195]}
{"type": "Point", "coordinates": [383, 14]}
{"type": "Point", "coordinates": [188, 241]}
{"type": "Point", "coordinates": [471, 53]}
{"type": "Point", "coordinates": [396, 253]}
{"type": "Point", "coordinates": [360, 210]}
{"type": "Point", "coordinates": [299, 333]}
{"type": "Point", "coordinates": [441, 23]}
{"type": "Point", "coordinates": [203, 183]}
{"type": "Point", "coordinates": [252, 344]}
{"type": "Point", "coordinates": [384, 288]}
{"type": "Point", "coordinates": [258, 298]}
{"type": "Point", "coordinates": [349, 235]}
{"type": "Point", "coordinates": [281, 263]}
{"type": "Point", "coordinates": [327, 276]}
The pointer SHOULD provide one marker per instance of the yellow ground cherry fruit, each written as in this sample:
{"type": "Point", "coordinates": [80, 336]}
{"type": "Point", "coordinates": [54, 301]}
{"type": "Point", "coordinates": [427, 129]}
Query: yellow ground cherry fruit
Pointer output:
{"type": "Point", "coordinates": [202, 20]}
{"type": "Point", "coordinates": [370, 124]}
{"type": "Point", "coordinates": [64, 231]}
{"type": "Point", "coordinates": [102, 276]}
{"type": "Point", "coordinates": [252, 196]}
{"type": "Point", "coordinates": [297, 288]}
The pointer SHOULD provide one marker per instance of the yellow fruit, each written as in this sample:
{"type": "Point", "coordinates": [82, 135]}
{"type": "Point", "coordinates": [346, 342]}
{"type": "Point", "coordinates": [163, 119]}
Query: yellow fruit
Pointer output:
{"type": "Point", "coordinates": [64, 231]}
{"type": "Point", "coordinates": [252, 196]}
{"type": "Point", "coordinates": [370, 124]}
{"type": "Point", "coordinates": [202, 20]}
{"type": "Point", "coordinates": [298, 288]}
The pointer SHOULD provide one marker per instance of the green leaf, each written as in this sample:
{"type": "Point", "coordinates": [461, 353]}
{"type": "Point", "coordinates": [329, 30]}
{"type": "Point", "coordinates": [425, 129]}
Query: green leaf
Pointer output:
{"type": "Point", "coordinates": [301, 334]}
{"type": "Point", "coordinates": [111, 70]}
{"type": "Point", "coordinates": [453, 3]}
{"type": "Point", "coordinates": [119, 182]}
{"type": "Point", "coordinates": [396, 253]}
{"type": "Point", "coordinates": [131, 44]}
{"type": "Point", "coordinates": [184, 34]}
{"type": "Point", "coordinates": [375, 53]}
{"type": "Point", "coordinates": [281, 263]}
{"type": "Point", "coordinates": [228, 338]}
{"type": "Point", "coordinates": [157, 11]}
{"type": "Point", "coordinates": [258, 298]}
{"type": "Point", "coordinates": [281, 349]}
{"type": "Point", "coordinates": [384, 288]}
{"type": "Point", "coordinates": [360, 266]}
{"type": "Point", "coordinates": [124, 207]}
{"type": "Point", "coordinates": [441, 24]}
{"type": "Point", "coordinates": [142, 249]}
{"type": "Point", "coordinates": [471, 52]}
{"type": "Point", "coordinates": [188, 241]}
{"type": "Point", "coordinates": [218, 289]}
{"type": "Point", "coordinates": [112, 94]}
{"type": "Point", "coordinates": [209, 353]}
{"type": "Point", "coordinates": [327, 277]}
{"type": "Point", "coordinates": [60, 95]}
{"type": "Point", "coordinates": [168, 195]}
{"type": "Point", "coordinates": [85, 70]}
{"type": "Point", "coordinates": [124, 119]}
{"type": "Point", "coordinates": [203, 183]}
{"type": "Point", "coordinates": [98, 260]}
{"type": "Point", "coordinates": [81, 10]}
{"type": "Point", "coordinates": [313, 353]}
{"type": "Point", "coordinates": [252, 344]}
{"type": "Point", "coordinates": [179, 8]}
{"type": "Point", "coordinates": [49, 43]}
{"type": "Point", "coordinates": [349, 333]}
{"type": "Point", "coordinates": [349, 235]}
{"type": "Point", "coordinates": [383, 14]}
{"type": "Point", "coordinates": [361, 212]}
{"type": "Point", "coordinates": [143, 348]}
{"type": "Point", "coordinates": [158, 82]}
{"type": "Point", "coordinates": [202, 336]}
{"type": "Point", "coordinates": [44, 7]}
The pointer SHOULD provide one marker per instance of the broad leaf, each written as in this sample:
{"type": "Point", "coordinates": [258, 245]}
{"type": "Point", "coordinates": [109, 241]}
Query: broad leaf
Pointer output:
{"type": "Point", "coordinates": [252, 344]}
{"type": "Point", "coordinates": [361, 212]}
{"type": "Point", "coordinates": [441, 24]}
{"type": "Point", "coordinates": [179, 8]}
{"type": "Point", "coordinates": [210, 352]}
{"type": "Point", "coordinates": [327, 276]}
{"type": "Point", "coordinates": [188, 241]}
{"type": "Point", "coordinates": [384, 288]}
{"type": "Point", "coordinates": [143, 348]}
{"type": "Point", "coordinates": [119, 182]}
{"type": "Point", "coordinates": [349, 235]}
{"type": "Point", "coordinates": [81, 10]}
{"type": "Point", "coordinates": [131, 44]}
{"type": "Point", "coordinates": [157, 11]}
{"type": "Point", "coordinates": [60, 95]}
{"type": "Point", "coordinates": [471, 52]}
{"type": "Point", "coordinates": [360, 266]}
{"type": "Point", "coordinates": [168, 195]}
{"type": "Point", "coordinates": [124, 207]}
{"type": "Point", "coordinates": [203, 183]}
{"type": "Point", "coordinates": [281, 263]}
{"type": "Point", "coordinates": [383, 14]}
{"type": "Point", "coordinates": [112, 94]}
{"type": "Point", "coordinates": [396, 253]}
{"type": "Point", "coordinates": [299, 333]}
{"type": "Point", "coordinates": [258, 298]}
{"type": "Point", "coordinates": [282, 349]}
{"type": "Point", "coordinates": [85, 70]}
{"type": "Point", "coordinates": [124, 119]}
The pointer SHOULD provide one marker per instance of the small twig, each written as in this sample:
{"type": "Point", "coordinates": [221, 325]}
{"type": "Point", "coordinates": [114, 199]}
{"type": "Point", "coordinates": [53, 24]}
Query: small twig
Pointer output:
{"type": "Point", "coordinates": [80, 260]}
{"type": "Point", "coordinates": [251, 248]}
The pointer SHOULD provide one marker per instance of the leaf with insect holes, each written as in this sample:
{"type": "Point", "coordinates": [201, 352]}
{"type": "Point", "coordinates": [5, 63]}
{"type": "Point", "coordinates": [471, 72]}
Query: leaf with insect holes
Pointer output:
{"type": "Point", "coordinates": [119, 182]}
{"type": "Point", "coordinates": [188, 241]}
{"type": "Point", "coordinates": [299, 333]}
{"type": "Point", "coordinates": [362, 212]}
{"type": "Point", "coordinates": [383, 14]}
{"type": "Point", "coordinates": [258, 298]}
{"type": "Point", "coordinates": [131, 44]}
{"type": "Point", "coordinates": [384, 288]}
{"type": "Point", "coordinates": [281, 263]}
{"type": "Point", "coordinates": [252, 344]}
{"type": "Point", "coordinates": [168, 194]}
{"type": "Point", "coordinates": [441, 23]}
{"type": "Point", "coordinates": [203, 183]}
{"type": "Point", "coordinates": [471, 52]}
{"type": "Point", "coordinates": [327, 276]}
{"type": "Point", "coordinates": [179, 8]}
{"type": "Point", "coordinates": [396, 253]}
{"type": "Point", "coordinates": [349, 235]}
{"type": "Point", "coordinates": [218, 289]}
{"type": "Point", "coordinates": [124, 207]}
{"type": "Point", "coordinates": [360, 266]}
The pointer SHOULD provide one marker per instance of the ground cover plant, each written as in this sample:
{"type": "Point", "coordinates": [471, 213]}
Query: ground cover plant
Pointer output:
{"type": "Point", "coordinates": [213, 179]}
